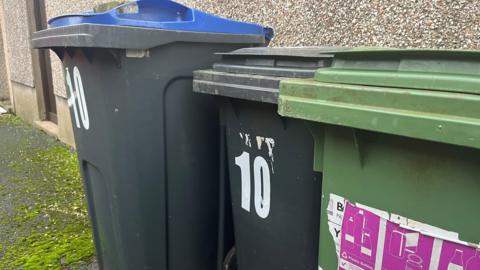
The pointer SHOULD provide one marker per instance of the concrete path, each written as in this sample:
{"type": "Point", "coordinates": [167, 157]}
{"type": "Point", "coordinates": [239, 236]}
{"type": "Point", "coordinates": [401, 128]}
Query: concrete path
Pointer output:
{"type": "Point", "coordinates": [43, 218]}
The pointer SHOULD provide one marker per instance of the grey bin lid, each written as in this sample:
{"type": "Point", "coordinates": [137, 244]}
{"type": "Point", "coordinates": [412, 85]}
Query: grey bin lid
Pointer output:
{"type": "Point", "coordinates": [255, 73]}
{"type": "Point", "coordinates": [125, 37]}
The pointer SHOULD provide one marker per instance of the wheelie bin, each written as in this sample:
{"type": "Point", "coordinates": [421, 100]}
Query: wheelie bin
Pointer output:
{"type": "Point", "coordinates": [397, 137]}
{"type": "Point", "coordinates": [146, 143]}
{"type": "Point", "coordinates": [274, 191]}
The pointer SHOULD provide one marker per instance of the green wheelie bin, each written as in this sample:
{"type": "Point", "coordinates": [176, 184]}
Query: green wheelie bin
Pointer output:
{"type": "Point", "coordinates": [397, 138]}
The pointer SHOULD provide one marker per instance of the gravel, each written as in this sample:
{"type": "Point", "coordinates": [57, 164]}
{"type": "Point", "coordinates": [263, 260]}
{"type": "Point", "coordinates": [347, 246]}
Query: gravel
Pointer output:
{"type": "Point", "coordinates": [385, 23]}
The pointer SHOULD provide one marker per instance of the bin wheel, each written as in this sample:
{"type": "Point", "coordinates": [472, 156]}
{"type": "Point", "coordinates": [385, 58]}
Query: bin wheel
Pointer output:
{"type": "Point", "coordinates": [230, 262]}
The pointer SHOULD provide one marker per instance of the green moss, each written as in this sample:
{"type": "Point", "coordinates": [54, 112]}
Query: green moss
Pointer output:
{"type": "Point", "coordinates": [49, 220]}
{"type": "Point", "coordinates": [10, 119]}
{"type": "Point", "coordinates": [51, 250]}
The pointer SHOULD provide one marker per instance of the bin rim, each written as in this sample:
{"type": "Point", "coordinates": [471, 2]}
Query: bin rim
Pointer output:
{"type": "Point", "coordinates": [444, 117]}
{"type": "Point", "coordinates": [126, 37]}
{"type": "Point", "coordinates": [403, 52]}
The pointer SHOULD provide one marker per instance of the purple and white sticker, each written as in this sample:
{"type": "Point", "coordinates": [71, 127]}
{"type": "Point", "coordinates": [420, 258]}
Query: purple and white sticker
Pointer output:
{"type": "Point", "coordinates": [368, 239]}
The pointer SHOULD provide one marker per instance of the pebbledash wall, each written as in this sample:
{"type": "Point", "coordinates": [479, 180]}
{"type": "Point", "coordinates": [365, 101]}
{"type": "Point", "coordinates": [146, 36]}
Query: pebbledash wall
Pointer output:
{"type": "Point", "coordinates": [19, 58]}
{"type": "Point", "coordinates": [19, 64]}
{"type": "Point", "coordinates": [4, 78]}
{"type": "Point", "coordinates": [391, 23]}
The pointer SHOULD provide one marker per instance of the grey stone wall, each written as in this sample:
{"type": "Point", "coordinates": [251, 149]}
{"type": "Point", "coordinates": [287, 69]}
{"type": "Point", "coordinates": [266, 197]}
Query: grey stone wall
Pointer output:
{"type": "Point", "coordinates": [391, 23]}
{"type": "Point", "coordinates": [4, 85]}
{"type": "Point", "coordinates": [59, 7]}
{"type": "Point", "coordinates": [18, 41]}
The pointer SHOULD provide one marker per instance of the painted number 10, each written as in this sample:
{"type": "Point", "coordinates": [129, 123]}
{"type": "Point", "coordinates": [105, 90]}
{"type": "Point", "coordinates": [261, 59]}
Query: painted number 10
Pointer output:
{"type": "Point", "coordinates": [261, 180]}
{"type": "Point", "coordinates": [77, 98]}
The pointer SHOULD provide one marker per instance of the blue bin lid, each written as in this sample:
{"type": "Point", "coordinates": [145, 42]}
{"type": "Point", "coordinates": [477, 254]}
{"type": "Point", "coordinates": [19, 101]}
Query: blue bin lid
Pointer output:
{"type": "Point", "coordinates": [163, 14]}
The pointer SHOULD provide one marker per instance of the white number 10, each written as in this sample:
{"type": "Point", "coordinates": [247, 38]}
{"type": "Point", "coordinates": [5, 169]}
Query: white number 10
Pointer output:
{"type": "Point", "coordinates": [77, 96]}
{"type": "Point", "coordinates": [261, 178]}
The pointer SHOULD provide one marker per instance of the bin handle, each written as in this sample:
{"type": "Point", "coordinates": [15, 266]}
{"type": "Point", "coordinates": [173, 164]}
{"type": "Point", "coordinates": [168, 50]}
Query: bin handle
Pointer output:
{"type": "Point", "coordinates": [151, 13]}
{"type": "Point", "coordinates": [138, 13]}
{"type": "Point", "coordinates": [182, 15]}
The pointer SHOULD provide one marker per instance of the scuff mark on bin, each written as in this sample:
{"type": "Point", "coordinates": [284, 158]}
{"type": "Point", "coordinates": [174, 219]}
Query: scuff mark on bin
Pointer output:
{"type": "Point", "coordinates": [246, 138]}
{"type": "Point", "coordinates": [260, 141]}
{"type": "Point", "coordinates": [270, 145]}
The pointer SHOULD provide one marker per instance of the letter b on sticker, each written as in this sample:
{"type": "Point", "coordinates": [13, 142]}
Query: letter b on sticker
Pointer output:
{"type": "Point", "coordinates": [340, 207]}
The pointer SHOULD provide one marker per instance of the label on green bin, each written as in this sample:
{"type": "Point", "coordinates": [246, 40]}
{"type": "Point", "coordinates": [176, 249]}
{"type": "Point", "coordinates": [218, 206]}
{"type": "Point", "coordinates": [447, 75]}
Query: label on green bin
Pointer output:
{"type": "Point", "coordinates": [371, 239]}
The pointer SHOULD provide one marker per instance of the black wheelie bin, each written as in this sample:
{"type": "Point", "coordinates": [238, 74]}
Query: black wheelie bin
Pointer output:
{"type": "Point", "coordinates": [275, 192]}
{"type": "Point", "coordinates": [147, 145]}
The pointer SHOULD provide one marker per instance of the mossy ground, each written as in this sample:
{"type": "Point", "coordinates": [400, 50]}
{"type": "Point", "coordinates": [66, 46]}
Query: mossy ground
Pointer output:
{"type": "Point", "coordinates": [43, 217]}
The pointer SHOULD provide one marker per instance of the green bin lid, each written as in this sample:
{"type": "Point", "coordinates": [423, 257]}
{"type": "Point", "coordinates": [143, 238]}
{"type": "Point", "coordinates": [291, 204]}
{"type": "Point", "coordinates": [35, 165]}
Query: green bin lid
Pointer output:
{"type": "Point", "coordinates": [443, 70]}
{"type": "Point", "coordinates": [425, 94]}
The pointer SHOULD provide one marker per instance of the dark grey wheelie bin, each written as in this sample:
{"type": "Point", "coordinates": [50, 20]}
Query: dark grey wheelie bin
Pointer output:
{"type": "Point", "coordinates": [147, 145]}
{"type": "Point", "coordinates": [275, 192]}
